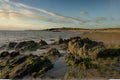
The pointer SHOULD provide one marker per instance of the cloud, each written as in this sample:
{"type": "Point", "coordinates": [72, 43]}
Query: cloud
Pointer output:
{"type": "Point", "coordinates": [41, 10]}
{"type": "Point", "coordinates": [84, 12]}
{"type": "Point", "coordinates": [59, 16]}
{"type": "Point", "coordinates": [100, 19]}
{"type": "Point", "coordinates": [23, 10]}
{"type": "Point", "coordinates": [4, 0]}
{"type": "Point", "coordinates": [25, 14]}
{"type": "Point", "coordinates": [7, 0]}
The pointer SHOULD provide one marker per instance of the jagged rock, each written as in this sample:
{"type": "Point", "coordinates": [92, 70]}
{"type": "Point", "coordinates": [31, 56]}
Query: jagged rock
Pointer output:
{"type": "Point", "coordinates": [109, 53]}
{"type": "Point", "coordinates": [14, 53]}
{"type": "Point", "coordinates": [30, 45]}
{"type": "Point", "coordinates": [84, 47]}
{"type": "Point", "coordinates": [43, 43]}
{"type": "Point", "coordinates": [53, 52]}
{"type": "Point", "coordinates": [63, 46]}
{"type": "Point", "coordinates": [26, 45]}
{"type": "Point", "coordinates": [23, 65]}
{"type": "Point", "coordinates": [4, 54]}
{"type": "Point", "coordinates": [11, 45]}
{"type": "Point", "coordinates": [61, 41]}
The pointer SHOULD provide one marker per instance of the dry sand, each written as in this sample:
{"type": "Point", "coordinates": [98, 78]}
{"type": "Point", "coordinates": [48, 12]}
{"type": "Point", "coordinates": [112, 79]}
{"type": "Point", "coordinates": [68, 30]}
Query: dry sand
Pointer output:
{"type": "Point", "coordinates": [109, 37]}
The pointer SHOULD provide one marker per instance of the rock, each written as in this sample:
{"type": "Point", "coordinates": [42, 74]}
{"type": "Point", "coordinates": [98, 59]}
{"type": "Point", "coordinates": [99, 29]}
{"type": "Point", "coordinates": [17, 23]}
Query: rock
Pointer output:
{"type": "Point", "coordinates": [63, 46]}
{"type": "Point", "coordinates": [11, 45]}
{"type": "Point", "coordinates": [84, 47]}
{"type": "Point", "coordinates": [23, 65]}
{"type": "Point", "coordinates": [53, 52]}
{"type": "Point", "coordinates": [43, 43]}
{"type": "Point", "coordinates": [13, 54]}
{"type": "Point", "coordinates": [4, 54]}
{"type": "Point", "coordinates": [109, 53]}
{"type": "Point", "coordinates": [61, 41]}
{"type": "Point", "coordinates": [26, 45]}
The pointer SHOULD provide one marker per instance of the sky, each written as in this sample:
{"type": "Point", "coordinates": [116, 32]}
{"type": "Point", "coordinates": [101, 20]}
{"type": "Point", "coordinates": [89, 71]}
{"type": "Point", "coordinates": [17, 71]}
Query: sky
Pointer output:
{"type": "Point", "coordinates": [43, 14]}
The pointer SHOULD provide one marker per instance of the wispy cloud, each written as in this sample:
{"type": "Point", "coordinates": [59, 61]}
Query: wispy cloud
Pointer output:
{"type": "Point", "coordinates": [25, 11]}
{"type": "Point", "coordinates": [84, 12]}
{"type": "Point", "coordinates": [100, 19]}
{"type": "Point", "coordinates": [57, 15]}
{"type": "Point", "coordinates": [41, 10]}
{"type": "Point", "coordinates": [21, 13]}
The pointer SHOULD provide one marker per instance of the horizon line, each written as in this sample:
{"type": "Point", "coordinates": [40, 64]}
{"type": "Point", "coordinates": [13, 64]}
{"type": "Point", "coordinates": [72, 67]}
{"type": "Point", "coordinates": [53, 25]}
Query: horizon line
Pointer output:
{"type": "Point", "coordinates": [58, 28]}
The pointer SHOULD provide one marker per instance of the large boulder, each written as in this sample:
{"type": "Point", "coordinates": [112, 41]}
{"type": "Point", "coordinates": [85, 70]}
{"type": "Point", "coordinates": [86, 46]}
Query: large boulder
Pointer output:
{"type": "Point", "coordinates": [14, 53]}
{"type": "Point", "coordinates": [61, 41]}
{"type": "Point", "coordinates": [84, 47]}
{"type": "Point", "coordinates": [52, 53]}
{"type": "Point", "coordinates": [42, 43]}
{"type": "Point", "coordinates": [26, 45]}
{"type": "Point", "coordinates": [11, 45]}
{"type": "Point", "coordinates": [4, 54]}
{"type": "Point", "coordinates": [22, 65]}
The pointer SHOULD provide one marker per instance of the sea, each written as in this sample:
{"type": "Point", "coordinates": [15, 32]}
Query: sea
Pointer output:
{"type": "Point", "coordinates": [49, 36]}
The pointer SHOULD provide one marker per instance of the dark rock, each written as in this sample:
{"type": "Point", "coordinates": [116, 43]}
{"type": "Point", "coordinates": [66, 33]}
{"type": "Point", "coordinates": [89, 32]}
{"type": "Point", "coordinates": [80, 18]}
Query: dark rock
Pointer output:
{"type": "Point", "coordinates": [26, 45]}
{"type": "Point", "coordinates": [23, 65]}
{"type": "Point", "coordinates": [43, 43]}
{"type": "Point", "coordinates": [61, 41]}
{"type": "Point", "coordinates": [13, 54]}
{"type": "Point", "coordinates": [109, 53]}
{"type": "Point", "coordinates": [18, 60]}
{"type": "Point", "coordinates": [11, 45]}
{"type": "Point", "coordinates": [53, 52]}
{"type": "Point", "coordinates": [75, 38]}
{"type": "Point", "coordinates": [4, 54]}
{"type": "Point", "coordinates": [63, 46]}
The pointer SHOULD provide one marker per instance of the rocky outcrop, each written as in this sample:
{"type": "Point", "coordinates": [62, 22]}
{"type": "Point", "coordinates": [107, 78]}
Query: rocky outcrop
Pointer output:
{"type": "Point", "coordinates": [61, 41]}
{"type": "Point", "coordinates": [14, 53]}
{"type": "Point", "coordinates": [42, 43]}
{"type": "Point", "coordinates": [4, 54]}
{"type": "Point", "coordinates": [11, 45]}
{"type": "Point", "coordinates": [26, 45]}
{"type": "Point", "coordinates": [84, 47]}
{"type": "Point", "coordinates": [53, 52]}
{"type": "Point", "coordinates": [22, 65]}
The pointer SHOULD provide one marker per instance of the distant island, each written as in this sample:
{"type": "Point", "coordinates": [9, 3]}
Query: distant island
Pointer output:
{"type": "Point", "coordinates": [68, 28]}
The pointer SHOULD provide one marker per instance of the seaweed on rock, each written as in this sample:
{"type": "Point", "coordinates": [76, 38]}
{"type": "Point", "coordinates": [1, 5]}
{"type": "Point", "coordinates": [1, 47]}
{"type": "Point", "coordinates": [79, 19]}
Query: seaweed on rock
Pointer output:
{"type": "Point", "coordinates": [21, 65]}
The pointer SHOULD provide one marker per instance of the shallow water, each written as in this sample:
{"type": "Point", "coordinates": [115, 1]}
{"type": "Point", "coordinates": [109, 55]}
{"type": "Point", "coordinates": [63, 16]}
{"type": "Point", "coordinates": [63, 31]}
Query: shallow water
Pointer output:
{"type": "Point", "coordinates": [6, 36]}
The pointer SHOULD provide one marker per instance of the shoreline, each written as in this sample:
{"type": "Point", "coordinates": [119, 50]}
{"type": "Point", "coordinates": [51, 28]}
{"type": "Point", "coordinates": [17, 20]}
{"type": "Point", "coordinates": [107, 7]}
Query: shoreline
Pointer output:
{"type": "Point", "coordinates": [63, 62]}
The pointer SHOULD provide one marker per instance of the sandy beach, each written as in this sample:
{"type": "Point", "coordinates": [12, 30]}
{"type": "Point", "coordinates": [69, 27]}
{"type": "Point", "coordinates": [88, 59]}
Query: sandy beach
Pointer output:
{"type": "Point", "coordinates": [109, 37]}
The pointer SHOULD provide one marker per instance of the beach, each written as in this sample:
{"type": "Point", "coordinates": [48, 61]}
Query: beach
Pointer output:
{"type": "Point", "coordinates": [109, 37]}
{"type": "Point", "coordinates": [58, 40]}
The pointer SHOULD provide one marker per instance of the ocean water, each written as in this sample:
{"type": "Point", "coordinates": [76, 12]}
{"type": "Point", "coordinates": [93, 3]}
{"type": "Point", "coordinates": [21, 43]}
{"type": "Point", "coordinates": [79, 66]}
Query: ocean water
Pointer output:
{"type": "Point", "coordinates": [8, 36]}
